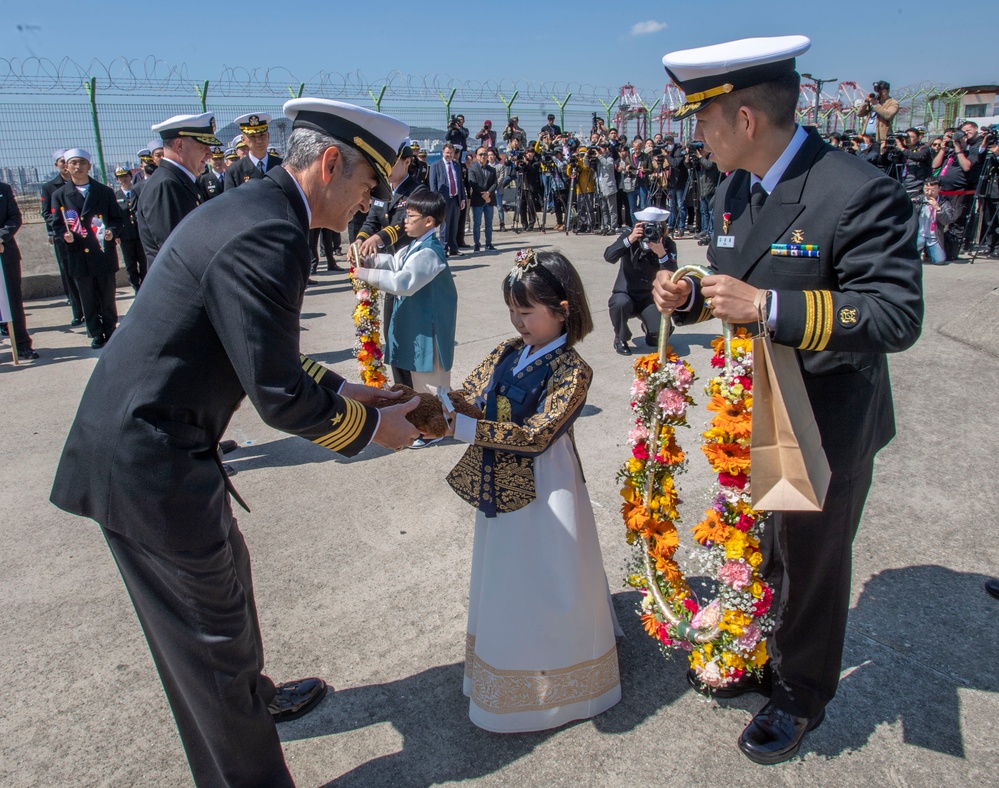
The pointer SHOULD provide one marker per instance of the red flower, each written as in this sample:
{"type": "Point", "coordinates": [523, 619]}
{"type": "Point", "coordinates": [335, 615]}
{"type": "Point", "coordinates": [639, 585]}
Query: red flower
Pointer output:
{"type": "Point", "coordinates": [746, 381]}
{"type": "Point", "coordinates": [690, 604]}
{"type": "Point", "coordinates": [640, 452]}
{"type": "Point", "coordinates": [738, 481]}
{"type": "Point", "coordinates": [762, 605]}
{"type": "Point", "coordinates": [744, 523]}
{"type": "Point", "coordinates": [718, 361]}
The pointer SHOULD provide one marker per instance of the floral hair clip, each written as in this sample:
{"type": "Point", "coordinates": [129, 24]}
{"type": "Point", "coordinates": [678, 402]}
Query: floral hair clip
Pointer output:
{"type": "Point", "coordinates": [525, 261]}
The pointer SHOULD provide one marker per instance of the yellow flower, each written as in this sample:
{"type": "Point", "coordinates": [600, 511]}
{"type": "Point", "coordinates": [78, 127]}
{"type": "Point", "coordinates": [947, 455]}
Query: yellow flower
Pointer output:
{"type": "Point", "coordinates": [733, 660]}
{"type": "Point", "coordinates": [759, 656]}
{"type": "Point", "coordinates": [635, 465]}
{"type": "Point", "coordinates": [756, 589]}
{"type": "Point", "coordinates": [735, 545]}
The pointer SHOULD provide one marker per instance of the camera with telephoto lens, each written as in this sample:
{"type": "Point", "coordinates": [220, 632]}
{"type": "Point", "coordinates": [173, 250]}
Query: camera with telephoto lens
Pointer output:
{"type": "Point", "coordinates": [990, 135]}
{"type": "Point", "coordinates": [452, 122]}
{"type": "Point", "coordinates": [696, 145]}
{"type": "Point", "coordinates": [959, 136]}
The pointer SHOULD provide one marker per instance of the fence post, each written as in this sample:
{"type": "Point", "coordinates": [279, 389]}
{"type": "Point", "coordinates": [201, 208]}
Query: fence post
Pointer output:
{"type": "Point", "coordinates": [509, 103]}
{"type": "Point", "coordinates": [561, 109]}
{"type": "Point", "coordinates": [378, 101]}
{"type": "Point", "coordinates": [301, 89]}
{"type": "Point", "coordinates": [447, 105]}
{"type": "Point", "coordinates": [91, 86]}
{"type": "Point", "coordinates": [609, 107]}
{"type": "Point", "coordinates": [203, 95]}
{"type": "Point", "coordinates": [648, 115]}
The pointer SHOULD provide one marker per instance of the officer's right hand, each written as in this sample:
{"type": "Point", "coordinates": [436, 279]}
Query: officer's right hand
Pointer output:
{"type": "Point", "coordinates": [669, 295]}
{"type": "Point", "coordinates": [637, 233]}
{"type": "Point", "coordinates": [368, 248]}
{"type": "Point", "coordinates": [394, 431]}
{"type": "Point", "coordinates": [67, 237]}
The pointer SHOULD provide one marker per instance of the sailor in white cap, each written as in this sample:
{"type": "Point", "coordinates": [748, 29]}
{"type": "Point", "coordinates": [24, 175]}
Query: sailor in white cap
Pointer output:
{"type": "Point", "coordinates": [89, 220]}
{"type": "Point", "coordinates": [156, 149]}
{"type": "Point", "coordinates": [49, 188]}
{"type": "Point", "coordinates": [642, 251]}
{"type": "Point", "coordinates": [131, 246]}
{"type": "Point", "coordinates": [826, 244]}
{"type": "Point", "coordinates": [217, 322]}
{"type": "Point", "coordinates": [255, 137]}
{"type": "Point", "coordinates": [172, 192]}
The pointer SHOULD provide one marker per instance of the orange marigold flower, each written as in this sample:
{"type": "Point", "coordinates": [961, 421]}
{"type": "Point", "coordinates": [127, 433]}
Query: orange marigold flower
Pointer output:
{"type": "Point", "coordinates": [666, 542]}
{"type": "Point", "coordinates": [727, 457]}
{"type": "Point", "coordinates": [646, 365]}
{"type": "Point", "coordinates": [636, 516]}
{"type": "Point", "coordinates": [733, 418]}
{"type": "Point", "coordinates": [671, 573]}
{"type": "Point", "coordinates": [650, 624]}
{"type": "Point", "coordinates": [670, 452]}
{"type": "Point", "coordinates": [711, 529]}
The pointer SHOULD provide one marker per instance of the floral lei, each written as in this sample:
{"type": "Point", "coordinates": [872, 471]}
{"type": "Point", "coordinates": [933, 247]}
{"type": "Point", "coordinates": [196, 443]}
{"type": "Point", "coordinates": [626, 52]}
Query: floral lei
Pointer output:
{"type": "Point", "coordinates": [730, 531]}
{"type": "Point", "coordinates": [368, 344]}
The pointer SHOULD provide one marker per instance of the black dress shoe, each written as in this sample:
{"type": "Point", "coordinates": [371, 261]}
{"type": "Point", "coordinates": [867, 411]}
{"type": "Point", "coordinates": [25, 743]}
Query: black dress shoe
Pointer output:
{"type": "Point", "coordinates": [775, 735]}
{"type": "Point", "coordinates": [491, 248]}
{"type": "Point", "coordinates": [27, 355]}
{"type": "Point", "coordinates": [314, 268]}
{"type": "Point", "coordinates": [228, 470]}
{"type": "Point", "coordinates": [294, 699]}
{"type": "Point", "coordinates": [76, 321]}
{"type": "Point", "coordinates": [311, 283]}
{"type": "Point", "coordinates": [992, 586]}
{"type": "Point", "coordinates": [335, 267]}
{"type": "Point", "coordinates": [750, 683]}
{"type": "Point", "coordinates": [456, 253]}
{"type": "Point", "coordinates": [98, 343]}
{"type": "Point", "coordinates": [652, 340]}
{"type": "Point", "coordinates": [227, 446]}
{"type": "Point", "coordinates": [622, 347]}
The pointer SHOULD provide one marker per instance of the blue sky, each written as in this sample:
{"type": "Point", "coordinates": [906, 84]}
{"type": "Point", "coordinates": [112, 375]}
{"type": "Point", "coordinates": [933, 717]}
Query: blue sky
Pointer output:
{"type": "Point", "coordinates": [605, 44]}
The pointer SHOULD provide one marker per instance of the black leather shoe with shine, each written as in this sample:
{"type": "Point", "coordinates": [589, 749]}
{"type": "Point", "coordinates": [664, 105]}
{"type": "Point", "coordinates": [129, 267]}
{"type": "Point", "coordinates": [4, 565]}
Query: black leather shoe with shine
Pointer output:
{"type": "Point", "coordinates": [294, 699]}
{"type": "Point", "coordinates": [27, 355]}
{"type": "Point", "coordinates": [622, 347]}
{"type": "Point", "coordinates": [992, 586]}
{"type": "Point", "coordinates": [775, 735]}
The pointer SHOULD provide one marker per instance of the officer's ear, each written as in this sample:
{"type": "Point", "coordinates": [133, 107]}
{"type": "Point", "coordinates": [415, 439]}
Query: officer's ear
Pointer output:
{"type": "Point", "coordinates": [331, 159]}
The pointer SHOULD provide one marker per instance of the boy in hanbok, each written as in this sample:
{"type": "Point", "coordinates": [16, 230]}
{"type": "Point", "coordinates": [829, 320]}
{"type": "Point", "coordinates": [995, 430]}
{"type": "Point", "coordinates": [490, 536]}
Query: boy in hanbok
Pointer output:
{"type": "Point", "coordinates": [420, 337]}
{"type": "Point", "coordinates": [540, 649]}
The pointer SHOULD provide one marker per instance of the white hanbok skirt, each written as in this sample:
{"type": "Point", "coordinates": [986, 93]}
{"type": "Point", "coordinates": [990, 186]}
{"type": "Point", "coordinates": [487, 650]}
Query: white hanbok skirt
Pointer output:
{"type": "Point", "coordinates": [540, 648]}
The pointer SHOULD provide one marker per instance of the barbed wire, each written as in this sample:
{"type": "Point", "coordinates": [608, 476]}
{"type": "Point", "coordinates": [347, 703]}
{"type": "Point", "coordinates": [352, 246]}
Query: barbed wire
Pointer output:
{"type": "Point", "coordinates": [152, 76]}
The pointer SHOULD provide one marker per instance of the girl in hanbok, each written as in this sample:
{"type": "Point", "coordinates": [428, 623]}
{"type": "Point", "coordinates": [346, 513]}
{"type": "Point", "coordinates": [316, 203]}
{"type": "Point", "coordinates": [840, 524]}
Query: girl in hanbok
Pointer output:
{"type": "Point", "coordinates": [540, 648]}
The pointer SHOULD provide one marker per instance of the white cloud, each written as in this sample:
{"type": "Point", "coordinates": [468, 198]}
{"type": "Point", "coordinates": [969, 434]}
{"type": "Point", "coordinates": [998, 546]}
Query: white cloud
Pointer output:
{"type": "Point", "coordinates": [645, 28]}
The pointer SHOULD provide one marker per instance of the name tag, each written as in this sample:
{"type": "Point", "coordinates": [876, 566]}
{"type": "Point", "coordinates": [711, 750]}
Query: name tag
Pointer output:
{"type": "Point", "coordinates": [725, 242]}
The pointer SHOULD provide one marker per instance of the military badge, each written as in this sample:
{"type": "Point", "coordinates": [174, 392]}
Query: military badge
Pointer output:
{"type": "Point", "coordinates": [726, 221]}
{"type": "Point", "coordinates": [797, 236]}
{"type": "Point", "coordinates": [254, 120]}
{"type": "Point", "coordinates": [848, 315]}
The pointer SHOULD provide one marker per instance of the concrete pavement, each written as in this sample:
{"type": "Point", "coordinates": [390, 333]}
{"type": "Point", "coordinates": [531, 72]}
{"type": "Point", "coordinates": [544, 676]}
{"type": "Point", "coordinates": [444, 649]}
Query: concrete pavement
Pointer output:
{"type": "Point", "coordinates": [361, 571]}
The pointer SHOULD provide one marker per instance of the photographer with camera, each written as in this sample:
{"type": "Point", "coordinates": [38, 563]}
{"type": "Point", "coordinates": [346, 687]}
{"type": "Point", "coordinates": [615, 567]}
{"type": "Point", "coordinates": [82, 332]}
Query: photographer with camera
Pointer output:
{"type": "Point", "coordinates": [457, 135]}
{"type": "Point", "coordinates": [486, 136]}
{"type": "Point", "coordinates": [643, 252]}
{"type": "Point", "coordinates": [892, 159]}
{"type": "Point", "coordinates": [552, 129]}
{"type": "Point", "coordinates": [954, 163]}
{"type": "Point", "coordinates": [555, 166]}
{"type": "Point", "coordinates": [918, 162]}
{"type": "Point", "coordinates": [582, 165]}
{"type": "Point", "coordinates": [676, 186]}
{"type": "Point", "coordinates": [988, 192]}
{"type": "Point", "coordinates": [606, 189]}
{"type": "Point", "coordinates": [707, 175]}
{"type": "Point", "coordinates": [935, 214]}
{"type": "Point", "coordinates": [514, 132]}
{"type": "Point", "coordinates": [879, 109]}
{"type": "Point", "coordinates": [527, 171]}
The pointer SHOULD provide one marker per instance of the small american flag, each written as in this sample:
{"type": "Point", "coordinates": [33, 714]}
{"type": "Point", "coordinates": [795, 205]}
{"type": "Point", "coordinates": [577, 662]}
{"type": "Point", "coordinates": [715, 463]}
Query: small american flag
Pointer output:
{"type": "Point", "coordinates": [74, 224]}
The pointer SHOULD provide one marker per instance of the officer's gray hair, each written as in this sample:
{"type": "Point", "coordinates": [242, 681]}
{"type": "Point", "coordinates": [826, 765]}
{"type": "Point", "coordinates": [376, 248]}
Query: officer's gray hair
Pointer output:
{"type": "Point", "coordinates": [307, 145]}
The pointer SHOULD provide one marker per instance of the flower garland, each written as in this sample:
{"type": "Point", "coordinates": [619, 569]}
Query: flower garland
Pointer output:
{"type": "Point", "coordinates": [368, 344]}
{"type": "Point", "coordinates": [731, 529]}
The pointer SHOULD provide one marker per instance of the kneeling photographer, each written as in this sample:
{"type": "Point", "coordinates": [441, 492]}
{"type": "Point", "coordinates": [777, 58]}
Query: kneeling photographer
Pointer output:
{"type": "Point", "coordinates": [643, 252]}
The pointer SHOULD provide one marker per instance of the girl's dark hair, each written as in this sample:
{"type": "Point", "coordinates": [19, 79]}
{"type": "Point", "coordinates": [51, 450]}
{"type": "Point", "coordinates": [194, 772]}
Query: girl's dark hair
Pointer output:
{"type": "Point", "coordinates": [532, 289]}
{"type": "Point", "coordinates": [427, 203]}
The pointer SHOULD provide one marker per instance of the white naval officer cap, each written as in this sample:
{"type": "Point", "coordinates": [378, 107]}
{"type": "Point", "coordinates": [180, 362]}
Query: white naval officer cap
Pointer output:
{"type": "Point", "coordinates": [378, 137]}
{"type": "Point", "coordinates": [77, 153]}
{"type": "Point", "coordinates": [58, 154]}
{"type": "Point", "coordinates": [705, 73]}
{"type": "Point", "coordinates": [253, 122]}
{"type": "Point", "coordinates": [200, 127]}
{"type": "Point", "coordinates": [652, 214]}
{"type": "Point", "coordinates": [145, 154]}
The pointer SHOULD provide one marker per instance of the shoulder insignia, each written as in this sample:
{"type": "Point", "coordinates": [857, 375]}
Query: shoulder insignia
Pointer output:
{"type": "Point", "coordinates": [848, 315]}
{"type": "Point", "coordinates": [336, 419]}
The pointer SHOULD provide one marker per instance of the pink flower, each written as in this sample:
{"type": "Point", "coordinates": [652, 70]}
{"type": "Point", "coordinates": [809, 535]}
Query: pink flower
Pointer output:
{"type": "Point", "coordinates": [750, 637]}
{"type": "Point", "coordinates": [710, 675]}
{"type": "Point", "coordinates": [638, 388]}
{"type": "Point", "coordinates": [638, 434]}
{"type": "Point", "coordinates": [708, 616]}
{"type": "Point", "coordinates": [672, 402]}
{"type": "Point", "coordinates": [363, 295]}
{"type": "Point", "coordinates": [684, 377]}
{"type": "Point", "coordinates": [736, 573]}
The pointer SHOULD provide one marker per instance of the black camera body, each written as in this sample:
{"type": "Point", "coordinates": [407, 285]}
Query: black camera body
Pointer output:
{"type": "Point", "coordinates": [695, 145]}
{"type": "Point", "coordinates": [651, 232]}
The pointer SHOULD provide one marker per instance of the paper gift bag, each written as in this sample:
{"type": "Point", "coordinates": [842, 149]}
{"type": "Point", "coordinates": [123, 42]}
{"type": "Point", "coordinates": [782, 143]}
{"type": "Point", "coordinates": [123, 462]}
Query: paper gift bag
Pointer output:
{"type": "Point", "coordinates": [789, 470]}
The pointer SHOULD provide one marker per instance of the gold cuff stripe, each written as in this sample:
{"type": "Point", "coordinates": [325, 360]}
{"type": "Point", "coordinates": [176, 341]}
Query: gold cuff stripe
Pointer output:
{"type": "Point", "coordinates": [313, 369]}
{"type": "Point", "coordinates": [827, 324]}
{"type": "Point", "coordinates": [348, 429]}
{"type": "Point", "coordinates": [362, 237]}
{"type": "Point", "coordinates": [806, 339]}
{"type": "Point", "coordinates": [692, 98]}
{"type": "Point", "coordinates": [392, 233]}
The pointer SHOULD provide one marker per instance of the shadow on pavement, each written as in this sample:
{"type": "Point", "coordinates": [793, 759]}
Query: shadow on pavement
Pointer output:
{"type": "Point", "coordinates": [440, 744]}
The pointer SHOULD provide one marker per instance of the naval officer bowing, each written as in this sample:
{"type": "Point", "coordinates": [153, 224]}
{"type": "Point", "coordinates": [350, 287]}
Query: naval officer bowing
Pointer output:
{"type": "Point", "coordinates": [218, 320]}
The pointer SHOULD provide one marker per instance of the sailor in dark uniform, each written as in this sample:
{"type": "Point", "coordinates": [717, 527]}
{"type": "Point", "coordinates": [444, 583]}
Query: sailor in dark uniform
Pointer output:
{"type": "Point", "coordinates": [58, 244]}
{"type": "Point", "coordinates": [256, 136]}
{"type": "Point", "coordinates": [131, 246]}
{"type": "Point", "coordinates": [830, 242]}
{"type": "Point", "coordinates": [172, 192]}
{"type": "Point", "coordinates": [216, 323]}
{"type": "Point", "coordinates": [212, 181]}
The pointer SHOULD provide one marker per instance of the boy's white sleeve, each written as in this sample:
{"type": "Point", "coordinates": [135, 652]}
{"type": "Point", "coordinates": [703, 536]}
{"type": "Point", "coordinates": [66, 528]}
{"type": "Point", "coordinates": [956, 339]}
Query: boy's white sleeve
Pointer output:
{"type": "Point", "coordinates": [404, 279]}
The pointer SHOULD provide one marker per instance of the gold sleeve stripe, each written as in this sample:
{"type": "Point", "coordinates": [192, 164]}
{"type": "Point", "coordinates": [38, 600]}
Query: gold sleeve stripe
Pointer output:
{"type": "Point", "coordinates": [820, 316]}
{"type": "Point", "coordinates": [313, 369]}
{"type": "Point", "coordinates": [809, 333]}
{"type": "Point", "coordinates": [392, 233]}
{"type": "Point", "coordinates": [827, 324]}
{"type": "Point", "coordinates": [361, 237]}
{"type": "Point", "coordinates": [347, 429]}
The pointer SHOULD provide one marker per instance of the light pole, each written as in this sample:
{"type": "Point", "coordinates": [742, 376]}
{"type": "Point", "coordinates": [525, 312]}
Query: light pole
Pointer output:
{"type": "Point", "coordinates": [818, 93]}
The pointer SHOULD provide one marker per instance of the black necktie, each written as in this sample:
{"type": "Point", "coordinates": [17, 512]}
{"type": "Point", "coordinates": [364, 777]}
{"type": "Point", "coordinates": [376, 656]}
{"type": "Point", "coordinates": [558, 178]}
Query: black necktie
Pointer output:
{"type": "Point", "coordinates": [260, 166]}
{"type": "Point", "coordinates": [757, 196]}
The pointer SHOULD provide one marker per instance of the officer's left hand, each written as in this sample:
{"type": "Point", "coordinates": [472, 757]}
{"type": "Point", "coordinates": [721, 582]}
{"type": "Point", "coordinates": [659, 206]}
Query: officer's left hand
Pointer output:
{"type": "Point", "coordinates": [368, 248]}
{"type": "Point", "coordinates": [367, 395]}
{"type": "Point", "coordinates": [731, 299]}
